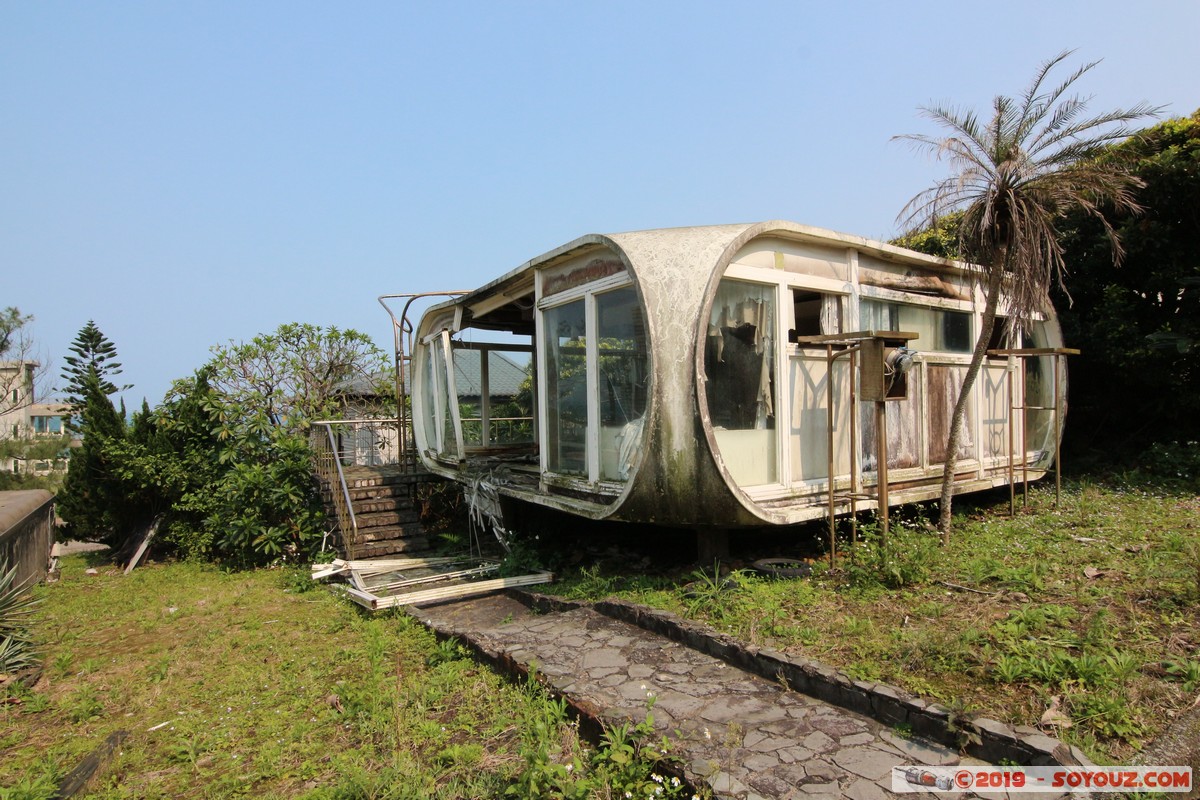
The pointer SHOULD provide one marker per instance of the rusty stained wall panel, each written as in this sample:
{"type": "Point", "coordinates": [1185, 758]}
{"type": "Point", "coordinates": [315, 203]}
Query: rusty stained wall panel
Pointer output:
{"type": "Point", "coordinates": [944, 382]}
{"type": "Point", "coordinates": [903, 428]}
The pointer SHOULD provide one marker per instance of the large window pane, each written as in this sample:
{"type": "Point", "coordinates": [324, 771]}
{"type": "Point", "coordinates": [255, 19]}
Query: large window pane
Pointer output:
{"type": "Point", "coordinates": [443, 399]}
{"type": "Point", "coordinates": [566, 388]}
{"type": "Point", "coordinates": [511, 388]}
{"type": "Point", "coordinates": [621, 346]}
{"type": "Point", "coordinates": [739, 366]}
{"type": "Point", "coordinates": [939, 329]}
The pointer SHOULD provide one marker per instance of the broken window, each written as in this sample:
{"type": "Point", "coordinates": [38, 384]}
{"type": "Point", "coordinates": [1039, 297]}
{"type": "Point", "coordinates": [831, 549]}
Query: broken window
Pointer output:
{"type": "Point", "coordinates": [739, 364]}
{"type": "Point", "coordinates": [565, 345]}
{"type": "Point", "coordinates": [622, 360]}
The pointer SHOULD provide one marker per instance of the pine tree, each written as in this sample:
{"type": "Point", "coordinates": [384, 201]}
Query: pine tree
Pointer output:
{"type": "Point", "coordinates": [94, 356]}
{"type": "Point", "coordinates": [93, 503]}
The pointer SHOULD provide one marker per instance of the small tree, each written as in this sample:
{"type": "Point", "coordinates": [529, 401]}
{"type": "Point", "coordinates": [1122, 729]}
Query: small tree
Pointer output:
{"type": "Point", "coordinates": [1013, 178]}
{"type": "Point", "coordinates": [298, 373]}
{"type": "Point", "coordinates": [94, 356]}
{"type": "Point", "coordinates": [94, 503]}
{"type": "Point", "coordinates": [16, 346]}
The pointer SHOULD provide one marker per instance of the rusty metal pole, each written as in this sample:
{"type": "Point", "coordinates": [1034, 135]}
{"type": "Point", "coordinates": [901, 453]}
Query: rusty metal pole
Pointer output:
{"type": "Point", "coordinates": [1012, 416]}
{"type": "Point", "coordinates": [829, 440]}
{"type": "Point", "coordinates": [1024, 435]}
{"type": "Point", "coordinates": [881, 466]}
{"type": "Point", "coordinates": [1057, 431]}
{"type": "Point", "coordinates": [855, 488]}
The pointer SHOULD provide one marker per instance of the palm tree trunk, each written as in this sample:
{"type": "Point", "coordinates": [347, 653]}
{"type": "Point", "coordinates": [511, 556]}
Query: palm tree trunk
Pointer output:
{"type": "Point", "coordinates": [991, 302]}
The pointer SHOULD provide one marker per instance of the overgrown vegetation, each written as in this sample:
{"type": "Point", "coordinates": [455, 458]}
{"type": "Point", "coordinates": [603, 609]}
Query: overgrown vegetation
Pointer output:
{"type": "Point", "coordinates": [1137, 379]}
{"type": "Point", "coordinates": [224, 460]}
{"type": "Point", "coordinates": [1013, 178]}
{"type": "Point", "coordinates": [1080, 619]}
{"type": "Point", "coordinates": [246, 685]}
{"type": "Point", "coordinates": [16, 645]}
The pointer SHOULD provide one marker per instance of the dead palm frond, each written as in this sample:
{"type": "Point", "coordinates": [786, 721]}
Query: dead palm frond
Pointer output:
{"type": "Point", "coordinates": [1013, 178]}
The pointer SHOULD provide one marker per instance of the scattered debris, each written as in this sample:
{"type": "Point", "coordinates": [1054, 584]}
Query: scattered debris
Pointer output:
{"type": "Point", "coordinates": [386, 583]}
{"type": "Point", "coordinates": [79, 778]}
{"type": "Point", "coordinates": [159, 725]}
{"type": "Point", "coordinates": [960, 588]}
{"type": "Point", "coordinates": [1054, 717]}
{"type": "Point", "coordinates": [783, 567]}
{"type": "Point", "coordinates": [147, 537]}
{"type": "Point", "coordinates": [1093, 572]}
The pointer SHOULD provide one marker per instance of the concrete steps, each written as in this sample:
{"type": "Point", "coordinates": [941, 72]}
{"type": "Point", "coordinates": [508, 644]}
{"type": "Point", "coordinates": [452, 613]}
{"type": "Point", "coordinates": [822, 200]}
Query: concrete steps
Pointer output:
{"type": "Point", "coordinates": [386, 510]}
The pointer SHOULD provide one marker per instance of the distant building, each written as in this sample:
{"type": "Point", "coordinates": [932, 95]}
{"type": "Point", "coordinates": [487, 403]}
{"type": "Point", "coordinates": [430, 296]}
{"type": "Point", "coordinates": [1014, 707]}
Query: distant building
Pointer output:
{"type": "Point", "coordinates": [22, 419]}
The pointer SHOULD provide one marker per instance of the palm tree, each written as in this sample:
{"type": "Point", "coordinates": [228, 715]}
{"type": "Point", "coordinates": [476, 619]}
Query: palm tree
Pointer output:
{"type": "Point", "coordinates": [1012, 179]}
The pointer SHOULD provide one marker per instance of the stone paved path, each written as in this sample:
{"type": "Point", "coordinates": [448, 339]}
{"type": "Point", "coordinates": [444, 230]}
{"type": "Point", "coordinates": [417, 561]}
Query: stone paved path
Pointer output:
{"type": "Point", "coordinates": [744, 736]}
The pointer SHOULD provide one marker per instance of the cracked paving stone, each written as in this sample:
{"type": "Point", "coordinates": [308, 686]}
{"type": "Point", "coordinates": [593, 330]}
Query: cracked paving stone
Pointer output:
{"type": "Point", "coordinates": [819, 769]}
{"type": "Point", "coordinates": [755, 737]}
{"type": "Point", "coordinates": [857, 739]}
{"type": "Point", "coordinates": [760, 762]}
{"type": "Point", "coordinates": [865, 762]}
{"type": "Point", "coordinates": [794, 754]}
{"type": "Point", "coordinates": [605, 657]}
{"type": "Point", "coordinates": [818, 742]}
{"type": "Point", "coordinates": [634, 691]}
{"type": "Point", "coordinates": [743, 710]}
{"type": "Point", "coordinates": [681, 705]}
{"type": "Point", "coordinates": [863, 789]}
{"type": "Point", "coordinates": [921, 752]}
{"type": "Point", "coordinates": [837, 726]}
{"type": "Point", "coordinates": [726, 783]}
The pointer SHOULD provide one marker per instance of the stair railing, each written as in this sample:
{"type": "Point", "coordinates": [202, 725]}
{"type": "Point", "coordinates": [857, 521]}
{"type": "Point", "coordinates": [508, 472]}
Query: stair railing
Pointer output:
{"type": "Point", "coordinates": [327, 461]}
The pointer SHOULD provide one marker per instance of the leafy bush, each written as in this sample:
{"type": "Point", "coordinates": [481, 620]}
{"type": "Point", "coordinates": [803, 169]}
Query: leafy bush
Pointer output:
{"type": "Point", "coordinates": [628, 763]}
{"type": "Point", "coordinates": [904, 559]}
{"type": "Point", "coordinates": [224, 461]}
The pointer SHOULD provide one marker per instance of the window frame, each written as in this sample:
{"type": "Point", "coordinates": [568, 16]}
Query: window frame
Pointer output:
{"type": "Point", "coordinates": [587, 293]}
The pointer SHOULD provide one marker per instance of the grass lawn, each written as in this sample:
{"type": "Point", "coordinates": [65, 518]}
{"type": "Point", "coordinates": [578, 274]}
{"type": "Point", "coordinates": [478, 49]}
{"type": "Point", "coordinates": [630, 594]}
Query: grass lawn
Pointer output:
{"type": "Point", "coordinates": [1087, 616]}
{"type": "Point", "coordinates": [251, 684]}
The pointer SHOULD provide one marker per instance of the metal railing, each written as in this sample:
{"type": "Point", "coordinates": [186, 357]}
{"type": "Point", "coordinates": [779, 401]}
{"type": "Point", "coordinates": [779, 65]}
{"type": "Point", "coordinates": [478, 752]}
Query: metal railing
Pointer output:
{"type": "Point", "coordinates": [337, 444]}
{"type": "Point", "coordinates": [501, 431]}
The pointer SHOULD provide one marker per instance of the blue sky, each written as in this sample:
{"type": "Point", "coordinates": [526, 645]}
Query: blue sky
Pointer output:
{"type": "Point", "coordinates": [188, 173]}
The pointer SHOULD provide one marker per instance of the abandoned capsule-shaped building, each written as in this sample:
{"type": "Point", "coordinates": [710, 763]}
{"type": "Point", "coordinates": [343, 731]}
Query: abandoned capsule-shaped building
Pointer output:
{"type": "Point", "coordinates": [723, 376]}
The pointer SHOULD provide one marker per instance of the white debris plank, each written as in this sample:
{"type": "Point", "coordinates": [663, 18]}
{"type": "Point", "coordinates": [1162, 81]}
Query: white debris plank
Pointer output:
{"type": "Point", "coordinates": [435, 578]}
{"type": "Point", "coordinates": [448, 592]}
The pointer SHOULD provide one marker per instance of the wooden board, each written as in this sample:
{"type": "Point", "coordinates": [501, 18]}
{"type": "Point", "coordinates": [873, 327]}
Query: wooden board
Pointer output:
{"type": "Point", "coordinates": [375, 603]}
